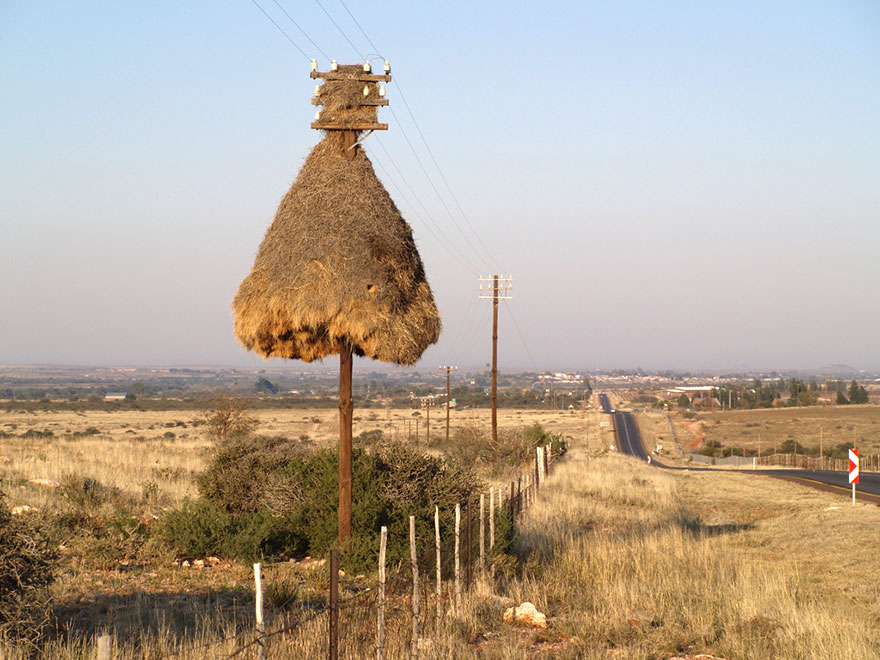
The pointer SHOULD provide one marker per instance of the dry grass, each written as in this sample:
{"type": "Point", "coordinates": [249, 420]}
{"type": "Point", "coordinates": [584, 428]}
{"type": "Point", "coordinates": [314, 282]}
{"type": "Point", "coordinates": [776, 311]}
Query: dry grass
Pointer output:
{"type": "Point", "coordinates": [128, 449]}
{"type": "Point", "coordinates": [627, 561]}
{"type": "Point", "coordinates": [772, 427]}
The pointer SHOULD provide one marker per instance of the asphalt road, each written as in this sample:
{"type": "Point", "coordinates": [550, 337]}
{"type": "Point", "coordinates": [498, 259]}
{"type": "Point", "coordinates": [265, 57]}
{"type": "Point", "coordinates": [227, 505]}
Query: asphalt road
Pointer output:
{"type": "Point", "coordinates": [629, 441]}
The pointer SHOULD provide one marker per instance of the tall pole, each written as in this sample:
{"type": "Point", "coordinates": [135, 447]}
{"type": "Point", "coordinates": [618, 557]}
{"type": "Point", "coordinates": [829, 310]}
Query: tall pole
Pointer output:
{"type": "Point", "coordinates": [495, 362]}
{"type": "Point", "coordinates": [448, 400]}
{"type": "Point", "coordinates": [500, 287]}
{"type": "Point", "coordinates": [346, 409]}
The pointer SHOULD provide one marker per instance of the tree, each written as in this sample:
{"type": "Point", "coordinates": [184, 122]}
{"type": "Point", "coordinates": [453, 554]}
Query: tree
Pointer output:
{"type": "Point", "coordinates": [229, 420]}
{"type": "Point", "coordinates": [683, 401]}
{"type": "Point", "coordinates": [808, 398]}
{"type": "Point", "coordinates": [265, 386]}
{"type": "Point", "coordinates": [841, 399]}
{"type": "Point", "coordinates": [857, 393]}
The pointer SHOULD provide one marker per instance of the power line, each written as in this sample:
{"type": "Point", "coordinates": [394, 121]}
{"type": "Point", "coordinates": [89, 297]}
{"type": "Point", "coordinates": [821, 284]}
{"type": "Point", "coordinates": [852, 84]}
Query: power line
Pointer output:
{"type": "Point", "coordinates": [521, 337]}
{"type": "Point", "coordinates": [281, 30]}
{"type": "Point", "coordinates": [317, 47]}
{"type": "Point", "coordinates": [433, 187]}
{"type": "Point", "coordinates": [406, 199]}
{"type": "Point", "coordinates": [491, 259]}
{"type": "Point", "coordinates": [339, 28]}
{"type": "Point", "coordinates": [459, 256]}
{"type": "Point", "coordinates": [454, 345]}
{"type": "Point", "coordinates": [370, 41]}
{"type": "Point", "coordinates": [443, 176]}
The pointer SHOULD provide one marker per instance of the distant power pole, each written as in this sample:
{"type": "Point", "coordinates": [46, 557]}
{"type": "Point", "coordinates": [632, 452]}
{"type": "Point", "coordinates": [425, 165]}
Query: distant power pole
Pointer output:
{"type": "Point", "coordinates": [499, 288]}
{"type": "Point", "coordinates": [448, 369]}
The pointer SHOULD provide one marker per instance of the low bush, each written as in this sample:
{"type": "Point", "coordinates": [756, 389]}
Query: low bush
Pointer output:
{"type": "Point", "coordinates": [27, 565]}
{"type": "Point", "coordinates": [267, 497]}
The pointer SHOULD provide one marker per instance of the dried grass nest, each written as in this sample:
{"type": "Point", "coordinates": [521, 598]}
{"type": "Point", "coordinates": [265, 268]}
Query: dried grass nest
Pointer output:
{"type": "Point", "coordinates": [337, 268]}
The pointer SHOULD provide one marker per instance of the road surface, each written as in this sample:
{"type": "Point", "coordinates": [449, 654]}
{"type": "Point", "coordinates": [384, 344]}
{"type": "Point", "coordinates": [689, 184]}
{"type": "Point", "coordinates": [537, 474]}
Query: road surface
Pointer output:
{"type": "Point", "coordinates": [629, 441]}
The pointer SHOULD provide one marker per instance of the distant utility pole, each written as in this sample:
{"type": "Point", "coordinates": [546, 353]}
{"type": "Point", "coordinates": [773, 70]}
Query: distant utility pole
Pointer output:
{"type": "Point", "coordinates": [448, 369]}
{"type": "Point", "coordinates": [500, 287]}
{"type": "Point", "coordinates": [427, 402]}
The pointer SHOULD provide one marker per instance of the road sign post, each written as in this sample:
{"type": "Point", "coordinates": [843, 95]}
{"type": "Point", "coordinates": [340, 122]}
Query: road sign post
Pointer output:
{"type": "Point", "coordinates": [854, 471]}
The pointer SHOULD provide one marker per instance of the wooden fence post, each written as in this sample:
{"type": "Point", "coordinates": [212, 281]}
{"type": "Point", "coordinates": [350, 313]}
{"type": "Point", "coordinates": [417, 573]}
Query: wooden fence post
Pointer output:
{"type": "Point", "coordinates": [414, 652]}
{"type": "Point", "coordinates": [492, 516]}
{"type": "Point", "coordinates": [439, 574]}
{"type": "Point", "coordinates": [511, 505]}
{"type": "Point", "coordinates": [334, 605]}
{"type": "Point", "coordinates": [469, 541]}
{"type": "Point", "coordinates": [380, 632]}
{"type": "Point", "coordinates": [537, 469]}
{"type": "Point", "coordinates": [104, 647]}
{"type": "Point", "coordinates": [482, 532]}
{"type": "Point", "coordinates": [457, 559]}
{"type": "Point", "coordinates": [258, 605]}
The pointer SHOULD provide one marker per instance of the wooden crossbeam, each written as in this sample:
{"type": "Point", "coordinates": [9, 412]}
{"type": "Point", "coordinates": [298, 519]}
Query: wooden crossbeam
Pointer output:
{"type": "Point", "coordinates": [363, 77]}
{"type": "Point", "coordinates": [363, 126]}
{"type": "Point", "coordinates": [316, 100]}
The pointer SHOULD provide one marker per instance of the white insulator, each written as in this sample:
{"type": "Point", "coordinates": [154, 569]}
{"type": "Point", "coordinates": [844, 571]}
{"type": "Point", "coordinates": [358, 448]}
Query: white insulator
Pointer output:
{"type": "Point", "coordinates": [382, 90]}
{"type": "Point", "coordinates": [334, 66]}
{"type": "Point", "coordinates": [366, 90]}
{"type": "Point", "coordinates": [386, 67]}
{"type": "Point", "coordinates": [317, 115]}
{"type": "Point", "coordinates": [367, 67]}
{"type": "Point", "coordinates": [317, 90]}
{"type": "Point", "coordinates": [314, 65]}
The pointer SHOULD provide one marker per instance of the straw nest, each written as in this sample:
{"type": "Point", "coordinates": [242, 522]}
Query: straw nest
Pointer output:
{"type": "Point", "coordinates": [342, 99]}
{"type": "Point", "coordinates": [337, 268]}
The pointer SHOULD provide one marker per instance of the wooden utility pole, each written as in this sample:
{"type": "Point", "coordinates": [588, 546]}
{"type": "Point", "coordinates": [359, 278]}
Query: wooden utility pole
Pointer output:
{"type": "Point", "coordinates": [373, 96]}
{"type": "Point", "coordinates": [448, 369]}
{"type": "Point", "coordinates": [346, 410]}
{"type": "Point", "coordinates": [499, 288]}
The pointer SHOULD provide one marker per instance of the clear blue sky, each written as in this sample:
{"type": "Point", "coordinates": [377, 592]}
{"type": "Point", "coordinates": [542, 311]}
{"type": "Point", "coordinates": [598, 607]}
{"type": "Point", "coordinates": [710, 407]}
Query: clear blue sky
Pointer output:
{"type": "Point", "coordinates": [674, 185]}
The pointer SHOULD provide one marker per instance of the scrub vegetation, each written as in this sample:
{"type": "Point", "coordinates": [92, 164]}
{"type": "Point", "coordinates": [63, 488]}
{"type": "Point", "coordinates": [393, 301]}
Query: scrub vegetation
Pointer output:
{"type": "Point", "coordinates": [626, 560]}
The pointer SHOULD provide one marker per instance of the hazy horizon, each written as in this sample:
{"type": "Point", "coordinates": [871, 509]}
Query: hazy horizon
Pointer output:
{"type": "Point", "coordinates": [684, 187]}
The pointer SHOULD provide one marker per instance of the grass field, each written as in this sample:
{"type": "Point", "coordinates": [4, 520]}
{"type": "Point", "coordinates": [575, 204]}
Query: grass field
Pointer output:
{"type": "Point", "coordinates": [162, 450]}
{"type": "Point", "coordinates": [627, 561]}
{"type": "Point", "coordinates": [772, 427]}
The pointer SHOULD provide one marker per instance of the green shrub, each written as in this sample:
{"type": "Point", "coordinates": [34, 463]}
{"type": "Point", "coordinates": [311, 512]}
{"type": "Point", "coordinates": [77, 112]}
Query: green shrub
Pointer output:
{"type": "Point", "coordinates": [85, 492]}
{"type": "Point", "coordinates": [236, 478]}
{"type": "Point", "coordinates": [202, 529]}
{"type": "Point", "coordinates": [268, 497]}
{"type": "Point", "coordinates": [27, 564]}
{"type": "Point", "coordinates": [198, 528]}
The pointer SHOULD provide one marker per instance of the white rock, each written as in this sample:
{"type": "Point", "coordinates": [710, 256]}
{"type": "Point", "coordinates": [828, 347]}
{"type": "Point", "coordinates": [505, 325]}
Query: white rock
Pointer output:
{"type": "Point", "coordinates": [526, 613]}
{"type": "Point", "coordinates": [45, 482]}
{"type": "Point", "coordinates": [20, 510]}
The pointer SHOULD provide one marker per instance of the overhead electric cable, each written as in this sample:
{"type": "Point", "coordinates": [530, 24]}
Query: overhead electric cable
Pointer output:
{"type": "Point", "coordinates": [317, 47]}
{"type": "Point", "coordinates": [434, 187]}
{"type": "Point", "coordinates": [452, 249]}
{"type": "Point", "coordinates": [443, 176]}
{"type": "Point", "coordinates": [281, 30]}
{"type": "Point", "coordinates": [452, 349]}
{"type": "Point", "coordinates": [480, 257]}
{"type": "Point", "coordinates": [356, 50]}
{"type": "Point", "coordinates": [481, 328]}
{"type": "Point", "coordinates": [521, 337]}
{"type": "Point", "coordinates": [370, 41]}
{"type": "Point", "coordinates": [406, 199]}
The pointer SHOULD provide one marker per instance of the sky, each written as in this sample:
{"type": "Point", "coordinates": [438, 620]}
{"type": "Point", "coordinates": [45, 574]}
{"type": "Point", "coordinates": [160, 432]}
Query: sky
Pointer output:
{"type": "Point", "coordinates": [672, 185]}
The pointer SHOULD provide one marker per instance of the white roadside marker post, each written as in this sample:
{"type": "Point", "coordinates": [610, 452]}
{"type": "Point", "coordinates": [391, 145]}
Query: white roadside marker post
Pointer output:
{"type": "Point", "coordinates": [854, 471]}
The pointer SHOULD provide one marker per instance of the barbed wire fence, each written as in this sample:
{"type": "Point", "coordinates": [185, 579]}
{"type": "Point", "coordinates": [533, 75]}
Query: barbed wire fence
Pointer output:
{"type": "Point", "coordinates": [414, 598]}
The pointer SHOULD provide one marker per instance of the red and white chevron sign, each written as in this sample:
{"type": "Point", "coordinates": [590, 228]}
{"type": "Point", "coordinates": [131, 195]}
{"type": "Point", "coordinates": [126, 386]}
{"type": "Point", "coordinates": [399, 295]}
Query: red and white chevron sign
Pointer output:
{"type": "Point", "coordinates": [854, 466]}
